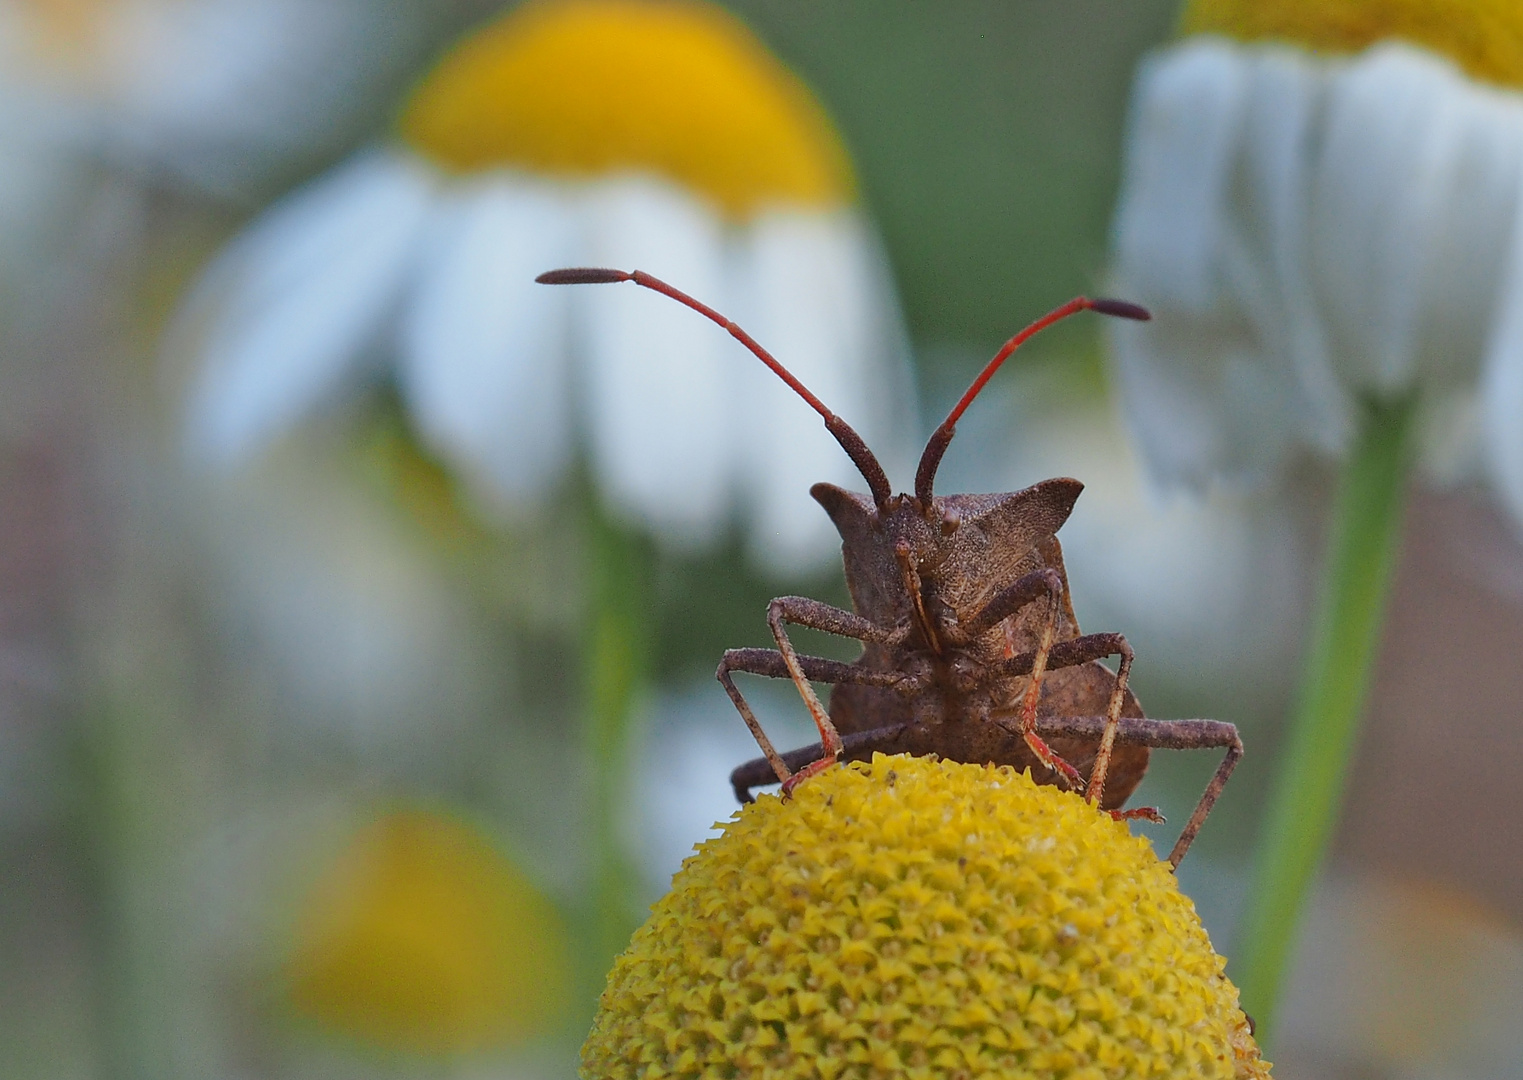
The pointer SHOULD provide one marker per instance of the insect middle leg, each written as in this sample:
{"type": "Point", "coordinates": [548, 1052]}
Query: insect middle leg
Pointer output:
{"type": "Point", "coordinates": [774, 664]}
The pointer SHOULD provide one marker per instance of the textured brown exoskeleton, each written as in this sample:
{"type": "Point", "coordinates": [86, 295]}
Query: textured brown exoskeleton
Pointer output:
{"type": "Point", "coordinates": [971, 649]}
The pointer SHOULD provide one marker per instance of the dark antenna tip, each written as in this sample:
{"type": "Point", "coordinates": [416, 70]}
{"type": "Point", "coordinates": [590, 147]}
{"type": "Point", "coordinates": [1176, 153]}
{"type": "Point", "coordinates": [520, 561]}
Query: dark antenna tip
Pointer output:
{"type": "Point", "coordinates": [583, 275]}
{"type": "Point", "coordinates": [1122, 309]}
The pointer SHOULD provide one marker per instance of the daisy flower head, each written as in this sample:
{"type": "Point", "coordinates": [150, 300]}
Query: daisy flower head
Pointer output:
{"type": "Point", "coordinates": [578, 132]}
{"type": "Point", "coordinates": [1321, 206]}
{"type": "Point", "coordinates": [910, 917]}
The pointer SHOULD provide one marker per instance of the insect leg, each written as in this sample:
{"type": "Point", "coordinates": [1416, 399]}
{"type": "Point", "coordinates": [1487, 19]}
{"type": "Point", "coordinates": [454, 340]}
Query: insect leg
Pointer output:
{"type": "Point", "coordinates": [774, 665]}
{"type": "Point", "coordinates": [1212, 733]}
{"type": "Point", "coordinates": [1081, 650]}
{"type": "Point", "coordinates": [812, 613]}
{"type": "Point", "coordinates": [1012, 598]}
{"type": "Point", "coordinates": [1112, 721]}
{"type": "Point", "coordinates": [1165, 735]}
{"type": "Point", "coordinates": [1026, 722]}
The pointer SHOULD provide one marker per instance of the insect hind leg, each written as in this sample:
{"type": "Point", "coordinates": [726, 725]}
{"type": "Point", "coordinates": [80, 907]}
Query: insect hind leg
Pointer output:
{"type": "Point", "coordinates": [1164, 735]}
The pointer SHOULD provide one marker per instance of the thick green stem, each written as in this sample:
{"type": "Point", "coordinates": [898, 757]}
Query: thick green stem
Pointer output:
{"type": "Point", "coordinates": [617, 666]}
{"type": "Point", "coordinates": [1308, 793]}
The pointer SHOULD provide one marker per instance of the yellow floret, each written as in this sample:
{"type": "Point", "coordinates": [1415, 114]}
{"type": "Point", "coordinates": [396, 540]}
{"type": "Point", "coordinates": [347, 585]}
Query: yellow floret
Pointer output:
{"type": "Point", "coordinates": [589, 87]}
{"type": "Point", "coordinates": [915, 918]}
{"type": "Point", "coordinates": [1485, 37]}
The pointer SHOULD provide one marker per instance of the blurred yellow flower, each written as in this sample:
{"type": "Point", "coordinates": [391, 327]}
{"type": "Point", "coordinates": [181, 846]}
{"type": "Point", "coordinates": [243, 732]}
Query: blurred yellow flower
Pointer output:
{"type": "Point", "coordinates": [908, 917]}
{"type": "Point", "coordinates": [422, 936]}
{"type": "Point", "coordinates": [1315, 225]}
{"type": "Point", "coordinates": [603, 132]}
{"type": "Point", "coordinates": [594, 87]}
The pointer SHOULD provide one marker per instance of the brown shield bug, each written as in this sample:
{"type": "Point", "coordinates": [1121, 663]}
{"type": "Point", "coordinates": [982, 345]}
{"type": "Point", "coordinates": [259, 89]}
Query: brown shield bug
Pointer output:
{"type": "Point", "coordinates": [970, 646]}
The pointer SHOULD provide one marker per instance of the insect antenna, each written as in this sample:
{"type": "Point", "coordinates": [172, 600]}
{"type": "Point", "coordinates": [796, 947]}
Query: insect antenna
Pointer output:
{"type": "Point", "coordinates": [851, 442]}
{"type": "Point", "coordinates": [936, 446]}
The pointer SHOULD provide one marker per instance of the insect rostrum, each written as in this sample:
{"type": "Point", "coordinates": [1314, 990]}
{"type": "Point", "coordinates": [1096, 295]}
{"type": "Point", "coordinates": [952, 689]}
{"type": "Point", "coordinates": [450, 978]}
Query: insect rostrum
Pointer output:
{"type": "Point", "coordinates": [970, 645]}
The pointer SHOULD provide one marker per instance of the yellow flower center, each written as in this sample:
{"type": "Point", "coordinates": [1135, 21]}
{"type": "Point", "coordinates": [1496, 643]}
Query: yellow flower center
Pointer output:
{"type": "Point", "coordinates": [908, 917]}
{"type": "Point", "coordinates": [587, 87]}
{"type": "Point", "coordinates": [1485, 37]}
{"type": "Point", "coordinates": [423, 937]}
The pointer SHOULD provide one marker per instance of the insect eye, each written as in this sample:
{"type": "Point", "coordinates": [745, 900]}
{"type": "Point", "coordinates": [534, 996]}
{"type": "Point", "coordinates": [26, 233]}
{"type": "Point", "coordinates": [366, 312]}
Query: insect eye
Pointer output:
{"type": "Point", "coordinates": [950, 522]}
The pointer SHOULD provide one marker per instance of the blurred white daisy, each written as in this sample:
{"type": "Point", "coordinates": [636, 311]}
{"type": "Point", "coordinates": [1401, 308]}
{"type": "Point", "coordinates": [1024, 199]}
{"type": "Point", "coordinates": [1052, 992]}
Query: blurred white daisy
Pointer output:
{"type": "Point", "coordinates": [605, 132]}
{"type": "Point", "coordinates": [221, 95]}
{"type": "Point", "coordinates": [1314, 229]}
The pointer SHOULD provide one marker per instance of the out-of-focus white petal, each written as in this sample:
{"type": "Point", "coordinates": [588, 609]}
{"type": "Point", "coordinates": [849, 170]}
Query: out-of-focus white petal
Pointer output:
{"type": "Point", "coordinates": [659, 378]}
{"type": "Point", "coordinates": [227, 93]}
{"type": "Point", "coordinates": [484, 364]}
{"type": "Point", "coordinates": [1208, 235]}
{"type": "Point", "coordinates": [1200, 400]}
{"type": "Point", "coordinates": [1264, 257]}
{"type": "Point", "coordinates": [1502, 382]}
{"type": "Point", "coordinates": [284, 316]}
{"type": "Point", "coordinates": [812, 288]}
{"type": "Point", "coordinates": [1471, 244]}
{"type": "Point", "coordinates": [1382, 188]}
{"type": "Point", "coordinates": [1186, 123]}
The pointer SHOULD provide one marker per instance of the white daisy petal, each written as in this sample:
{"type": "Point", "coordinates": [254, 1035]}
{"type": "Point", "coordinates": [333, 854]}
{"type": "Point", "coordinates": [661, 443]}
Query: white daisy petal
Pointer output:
{"type": "Point", "coordinates": [225, 93]}
{"type": "Point", "coordinates": [659, 378]}
{"type": "Point", "coordinates": [1200, 399]}
{"type": "Point", "coordinates": [1265, 245]}
{"type": "Point", "coordinates": [1182, 137]}
{"type": "Point", "coordinates": [1471, 243]}
{"type": "Point", "coordinates": [814, 297]}
{"type": "Point", "coordinates": [1383, 184]}
{"type": "Point", "coordinates": [1502, 381]}
{"type": "Point", "coordinates": [283, 318]}
{"type": "Point", "coordinates": [484, 360]}
{"type": "Point", "coordinates": [1204, 233]}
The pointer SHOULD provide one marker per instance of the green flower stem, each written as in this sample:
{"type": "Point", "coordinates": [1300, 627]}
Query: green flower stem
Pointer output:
{"type": "Point", "coordinates": [620, 624]}
{"type": "Point", "coordinates": [1308, 793]}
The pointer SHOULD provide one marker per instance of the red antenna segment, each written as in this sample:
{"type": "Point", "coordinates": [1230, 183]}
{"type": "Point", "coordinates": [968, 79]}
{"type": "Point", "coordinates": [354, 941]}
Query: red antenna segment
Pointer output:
{"type": "Point", "coordinates": [930, 460]}
{"type": "Point", "coordinates": [851, 442]}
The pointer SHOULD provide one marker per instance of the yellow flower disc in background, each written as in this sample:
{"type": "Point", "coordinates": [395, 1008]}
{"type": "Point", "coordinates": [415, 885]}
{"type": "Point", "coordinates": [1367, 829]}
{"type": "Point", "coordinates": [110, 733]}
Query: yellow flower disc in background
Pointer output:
{"type": "Point", "coordinates": [588, 87]}
{"type": "Point", "coordinates": [928, 919]}
{"type": "Point", "coordinates": [423, 937]}
{"type": "Point", "coordinates": [1485, 37]}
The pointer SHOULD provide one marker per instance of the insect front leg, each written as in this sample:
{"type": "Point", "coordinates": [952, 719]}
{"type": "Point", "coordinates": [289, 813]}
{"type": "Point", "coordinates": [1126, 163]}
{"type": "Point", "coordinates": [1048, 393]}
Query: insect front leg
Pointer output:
{"type": "Point", "coordinates": [1051, 584]}
{"type": "Point", "coordinates": [1081, 650]}
{"type": "Point", "coordinates": [1010, 599]}
{"type": "Point", "coordinates": [816, 615]}
{"type": "Point", "coordinates": [774, 665]}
